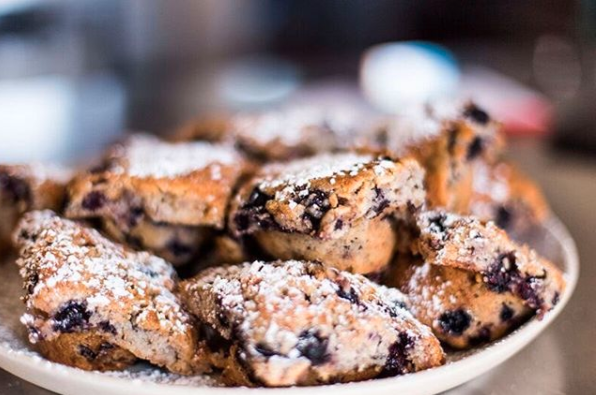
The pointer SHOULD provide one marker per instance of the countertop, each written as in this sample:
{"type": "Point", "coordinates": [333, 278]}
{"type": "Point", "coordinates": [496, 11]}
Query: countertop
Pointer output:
{"type": "Point", "coordinates": [563, 359]}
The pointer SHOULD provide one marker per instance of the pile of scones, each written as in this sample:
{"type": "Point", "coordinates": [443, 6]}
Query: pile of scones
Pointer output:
{"type": "Point", "coordinates": [296, 246]}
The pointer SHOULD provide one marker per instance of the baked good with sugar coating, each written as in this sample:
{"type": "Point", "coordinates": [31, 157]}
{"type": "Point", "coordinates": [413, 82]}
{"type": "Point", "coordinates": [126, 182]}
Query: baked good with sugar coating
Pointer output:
{"type": "Point", "coordinates": [159, 196]}
{"type": "Point", "coordinates": [28, 187]}
{"type": "Point", "coordinates": [335, 208]}
{"type": "Point", "coordinates": [96, 305]}
{"type": "Point", "coordinates": [302, 323]}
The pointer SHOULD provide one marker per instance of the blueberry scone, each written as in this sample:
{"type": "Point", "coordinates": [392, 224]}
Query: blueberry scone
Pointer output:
{"type": "Point", "coordinates": [163, 197]}
{"type": "Point", "coordinates": [502, 193]}
{"type": "Point", "coordinates": [472, 282]}
{"type": "Point", "coordinates": [302, 323]}
{"type": "Point", "coordinates": [334, 208]}
{"type": "Point", "coordinates": [504, 265]}
{"type": "Point", "coordinates": [447, 139]}
{"type": "Point", "coordinates": [459, 306]}
{"type": "Point", "coordinates": [94, 304]}
{"type": "Point", "coordinates": [28, 187]}
{"type": "Point", "coordinates": [286, 133]}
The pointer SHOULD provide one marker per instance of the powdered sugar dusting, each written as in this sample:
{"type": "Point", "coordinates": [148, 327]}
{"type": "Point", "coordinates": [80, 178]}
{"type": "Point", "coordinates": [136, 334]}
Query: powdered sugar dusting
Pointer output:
{"type": "Point", "coordinates": [301, 172]}
{"type": "Point", "coordinates": [63, 263]}
{"type": "Point", "coordinates": [281, 305]}
{"type": "Point", "coordinates": [145, 156]}
{"type": "Point", "coordinates": [292, 125]}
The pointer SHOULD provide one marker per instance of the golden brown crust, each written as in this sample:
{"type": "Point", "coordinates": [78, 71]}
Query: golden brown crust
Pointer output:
{"type": "Point", "coordinates": [302, 323]}
{"type": "Point", "coordinates": [87, 351]}
{"type": "Point", "coordinates": [462, 311]}
{"type": "Point", "coordinates": [468, 244]}
{"type": "Point", "coordinates": [504, 194]}
{"type": "Point", "coordinates": [28, 187]}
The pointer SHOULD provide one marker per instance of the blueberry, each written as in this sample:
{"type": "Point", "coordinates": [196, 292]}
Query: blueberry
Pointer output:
{"type": "Point", "coordinates": [437, 223]}
{"type": "Point", "coordinates": [88, 353]}
{"type": "Point", "coordinates": [257, 198]}
{"type": "Point", "coordinates": [502, 273]}
{"type": "Point", "coordinates": [381, 203]}
{"type": "Point", "coordinates": [507, 313]}
{"type": "Point", "coordinates": [339, 224]}
{"type": "Point", "coordinates": [316, 205]}
{"type": "Point", "coordinates": [476, 114]}
{"type": "Point", "coordinates": [71, 317]}
{"type": "Point", "coordinates": [351, 295]}
{"type": "Point", "coordinates": [482, 337]}
{"type": "Point", "coordinates": [178, 249]}
{"type": "Point", "coordinates": [214, 340]}
{"type": "Point", "coordinates": [556, 298]}
{"type": "Point", "coordinates": [503, 217]}
{"type": "Point", "coordinates": [398, 361]}
{"type": "Point", "coordinates": [94, 201]}
{"type": "Point", "coordinates": [475, 148]}
{"type": "Point", "coordinates": [15, 189]}
{"type": "Point", "coordinates": [107, 327]}
{"type": "Point", "coordinates": [313, 347]}
{"type": "Point", "coordinates": [455, 322]}
{"type": "Point", "coordinates": [265, 350]}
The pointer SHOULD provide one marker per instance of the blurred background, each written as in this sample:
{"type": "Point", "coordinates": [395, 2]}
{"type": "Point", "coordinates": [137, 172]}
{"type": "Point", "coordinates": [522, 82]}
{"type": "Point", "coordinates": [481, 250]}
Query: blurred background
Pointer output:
{"type": "Point", "coordinates": [74, 74]}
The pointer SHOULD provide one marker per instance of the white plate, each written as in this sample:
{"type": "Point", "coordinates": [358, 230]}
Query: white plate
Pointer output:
{"type": "Point", "coordinates": [17, 357]}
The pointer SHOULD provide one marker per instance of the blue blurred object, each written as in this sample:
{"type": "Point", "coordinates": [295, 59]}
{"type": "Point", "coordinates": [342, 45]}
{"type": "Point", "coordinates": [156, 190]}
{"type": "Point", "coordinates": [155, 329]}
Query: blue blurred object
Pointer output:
{"type": "Point", "coordinates": [394, 74]}
{"type": "Point", "coordinates": [258, 81]}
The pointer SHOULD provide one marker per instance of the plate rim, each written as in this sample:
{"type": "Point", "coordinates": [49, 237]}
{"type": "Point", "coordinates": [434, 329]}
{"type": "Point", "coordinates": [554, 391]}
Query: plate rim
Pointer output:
{"type": "Point", "coordinates": [42, 372]}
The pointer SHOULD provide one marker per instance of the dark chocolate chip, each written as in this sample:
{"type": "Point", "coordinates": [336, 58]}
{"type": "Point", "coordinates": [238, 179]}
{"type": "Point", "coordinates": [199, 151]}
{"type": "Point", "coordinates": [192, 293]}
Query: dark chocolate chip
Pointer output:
{"type": "Point", "coordinates": [71, 317]}
{"type": "Point", "coordinates": [507, 313]}
{"type": "Point", "coordinates": [477, 114]}
{"type": "Point", "coordinates": [94, 200]}
{"type": "Point", "coordinates": [313, 347]}
{"type": "Point", "coordinates": [475, 148]}
{"type": "Point", "coordinates": [455, 322]}
{"type": "Point", "coordinates": [398, 361]}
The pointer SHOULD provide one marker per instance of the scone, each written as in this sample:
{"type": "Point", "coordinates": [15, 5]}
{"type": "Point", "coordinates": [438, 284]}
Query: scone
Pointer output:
{"type": "Point", "coordinates": [334, 208]}
{"type": "Point", "coordinates": [163, 197]}
{"type": "Point", "coordinates": [95, 305]}
{"type": "Point", "coordinates": [275, 135]}
{"type": "Point", "coordinates": [302, 323]}
{"type": "Point", "coordinates": [447, 139]}
{"type": "Point", "coordinates": [485, 249]}
{"type": "Point", "coordinates": [457, 304]}
{"type": "Point", "coordinates": [504, 194]}
{"type": "Point", "coordinates": [28, 187]}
